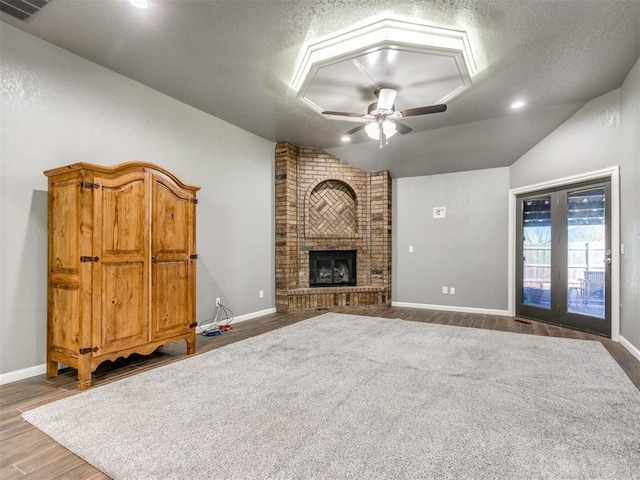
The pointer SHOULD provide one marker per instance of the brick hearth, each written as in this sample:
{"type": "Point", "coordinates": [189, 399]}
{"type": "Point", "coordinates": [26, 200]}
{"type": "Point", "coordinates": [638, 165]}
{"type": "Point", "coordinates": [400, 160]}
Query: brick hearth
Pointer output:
{"type": "Point", "coordinates": [323, 203]}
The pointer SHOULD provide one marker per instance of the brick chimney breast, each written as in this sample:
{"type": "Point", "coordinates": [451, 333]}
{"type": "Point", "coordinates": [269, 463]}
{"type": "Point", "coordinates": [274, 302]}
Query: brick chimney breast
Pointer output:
{"type": "Point", "coordinates": [323, 203]}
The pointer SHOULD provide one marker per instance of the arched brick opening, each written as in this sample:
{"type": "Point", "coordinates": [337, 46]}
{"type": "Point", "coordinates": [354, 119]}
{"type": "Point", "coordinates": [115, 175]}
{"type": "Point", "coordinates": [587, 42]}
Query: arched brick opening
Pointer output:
{"type": "Point", "coordinates": [331, 210]}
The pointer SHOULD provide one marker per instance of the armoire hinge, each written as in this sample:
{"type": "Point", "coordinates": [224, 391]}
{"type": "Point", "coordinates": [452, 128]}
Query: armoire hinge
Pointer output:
{"type": "Point", "coordinates": [84, 259]}
{"type": "Point", "coordinates": [194, 200]}
{"type": "Point", "coordinates": [84, 351]}
{"type": "Point", "coordinates": [193, 325]}
{"type": "Point", "coordinates": [84, 184]}
{"type": "Point", "coordinates": [194, 256]}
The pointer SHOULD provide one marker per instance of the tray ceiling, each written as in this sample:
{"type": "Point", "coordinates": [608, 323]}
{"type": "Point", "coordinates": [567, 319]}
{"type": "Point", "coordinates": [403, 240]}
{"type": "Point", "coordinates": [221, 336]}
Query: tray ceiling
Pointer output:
{"type": "Point", "coordinates": [427, 65]}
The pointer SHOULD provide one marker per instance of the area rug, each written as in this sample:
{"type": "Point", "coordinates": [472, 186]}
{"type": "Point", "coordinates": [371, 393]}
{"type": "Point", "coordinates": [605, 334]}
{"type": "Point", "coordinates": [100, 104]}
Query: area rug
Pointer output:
{"type": "Point", "coordinates": [350, 397]}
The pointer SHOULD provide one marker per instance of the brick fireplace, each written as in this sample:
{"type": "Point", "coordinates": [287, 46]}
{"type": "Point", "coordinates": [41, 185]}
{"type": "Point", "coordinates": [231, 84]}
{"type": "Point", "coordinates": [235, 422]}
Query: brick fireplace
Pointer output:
{"type": "Point", "coordinates": [325, 205]}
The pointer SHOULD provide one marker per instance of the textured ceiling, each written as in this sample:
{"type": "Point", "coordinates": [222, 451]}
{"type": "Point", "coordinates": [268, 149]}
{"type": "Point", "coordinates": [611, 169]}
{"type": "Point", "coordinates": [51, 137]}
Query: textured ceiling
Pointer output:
{"type": "Point", "coordinates": [235, 59]}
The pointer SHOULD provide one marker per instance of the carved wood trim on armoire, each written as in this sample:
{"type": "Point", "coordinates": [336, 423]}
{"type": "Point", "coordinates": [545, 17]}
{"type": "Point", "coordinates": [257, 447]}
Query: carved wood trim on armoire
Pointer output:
{"type": "Point", "coordinates": [122, 264]}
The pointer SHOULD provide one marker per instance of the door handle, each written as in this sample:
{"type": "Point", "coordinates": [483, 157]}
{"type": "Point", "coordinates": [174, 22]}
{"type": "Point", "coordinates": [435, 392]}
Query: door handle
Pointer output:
{"type": "Point", "coordinates": [607, 257]}
{"type": "Point", "coordinates": [154, 260]}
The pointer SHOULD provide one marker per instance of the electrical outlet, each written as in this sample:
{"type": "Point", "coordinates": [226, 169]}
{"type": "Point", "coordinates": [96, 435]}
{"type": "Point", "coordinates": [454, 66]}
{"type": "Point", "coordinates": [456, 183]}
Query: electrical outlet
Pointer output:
{"type": "Point", "coordinates": [410, 248]}
{"type": "Point", "coordinates": [452, 290]}
{"type": "Point", "coordinates": [261, 294]}
{"type": "Point", "coordinates": [445, 290]}
{"type": "Point", "coordinates": [217, 301]}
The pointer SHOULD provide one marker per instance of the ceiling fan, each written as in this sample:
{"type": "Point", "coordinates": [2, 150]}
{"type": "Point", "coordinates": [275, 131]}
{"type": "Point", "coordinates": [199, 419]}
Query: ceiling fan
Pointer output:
{"type": "Point", "coordinates": [381, 119]}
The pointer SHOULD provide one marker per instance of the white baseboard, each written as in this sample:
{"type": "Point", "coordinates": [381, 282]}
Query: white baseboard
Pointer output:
{"type": "Point", "coordinates": [42, 369]}
{"type": "Point", "coordinates": [449, 308]}
{"type": "Point", "coordinates": [627, 344]}
{"type": "Point", "coordinates": [249, 316]}
{"type": "Point", "coordinates": [22, 374]}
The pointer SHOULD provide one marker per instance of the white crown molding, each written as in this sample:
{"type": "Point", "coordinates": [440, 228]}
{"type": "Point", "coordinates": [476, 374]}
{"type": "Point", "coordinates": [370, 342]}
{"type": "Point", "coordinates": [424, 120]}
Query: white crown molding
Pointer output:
{"type": "Point", "coordinates": [386, 34]}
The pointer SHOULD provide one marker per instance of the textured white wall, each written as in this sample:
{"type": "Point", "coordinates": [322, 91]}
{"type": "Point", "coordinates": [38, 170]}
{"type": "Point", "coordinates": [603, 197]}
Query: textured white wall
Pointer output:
{"type": "Point", "coordinates": [604, 133]}
{"type": "Point", "coordinates": [467, 249]}
{"type": "Point", "coordinates": [630, 206]}
{"type": "Point", "coordinates": [56, 109]}
{"type": "Point", "coordinates": [588, 141]}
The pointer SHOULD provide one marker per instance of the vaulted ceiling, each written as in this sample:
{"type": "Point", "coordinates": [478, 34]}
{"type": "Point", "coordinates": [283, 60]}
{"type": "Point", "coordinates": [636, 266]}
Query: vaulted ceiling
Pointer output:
{"type": "Point", "coordinates": [236, 59]}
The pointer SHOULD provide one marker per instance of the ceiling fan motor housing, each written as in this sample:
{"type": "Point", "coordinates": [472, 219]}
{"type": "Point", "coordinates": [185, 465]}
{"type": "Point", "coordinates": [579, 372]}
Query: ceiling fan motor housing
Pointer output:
{"type": "Point", "coordinates": [374, 111]}
{"type": "Point", "coordinates": [384, 105]}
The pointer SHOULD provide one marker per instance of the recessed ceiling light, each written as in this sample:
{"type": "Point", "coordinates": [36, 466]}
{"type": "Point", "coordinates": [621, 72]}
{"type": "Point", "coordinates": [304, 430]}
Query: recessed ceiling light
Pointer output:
{"type": "Point", "coordinates": [346, 138]}
{"type": "Point", "coordinates": [140, 3]}
{"type": "Point", "coordinates": [518, 104]}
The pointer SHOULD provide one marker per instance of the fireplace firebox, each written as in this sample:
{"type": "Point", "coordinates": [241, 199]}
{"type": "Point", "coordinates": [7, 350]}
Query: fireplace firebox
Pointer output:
{"type": "Point", "coordinates": [332, 268]}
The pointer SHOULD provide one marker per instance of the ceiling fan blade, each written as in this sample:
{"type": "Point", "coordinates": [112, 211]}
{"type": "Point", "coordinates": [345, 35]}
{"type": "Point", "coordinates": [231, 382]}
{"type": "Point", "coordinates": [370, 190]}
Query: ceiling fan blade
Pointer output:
{"type": "Point", "coordinates": [412, 112]}
{"type": "Point", "coordinates": [342, 114]}
{"type": "Point", "coordinates": [355, 130]}
{"type": "Point", "coordinates": [402, 128]}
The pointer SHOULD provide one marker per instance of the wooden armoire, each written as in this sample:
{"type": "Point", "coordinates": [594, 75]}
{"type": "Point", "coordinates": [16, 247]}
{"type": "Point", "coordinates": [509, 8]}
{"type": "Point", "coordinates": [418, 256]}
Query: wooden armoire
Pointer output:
{"type": "Point", "coordinates": [122, 264]}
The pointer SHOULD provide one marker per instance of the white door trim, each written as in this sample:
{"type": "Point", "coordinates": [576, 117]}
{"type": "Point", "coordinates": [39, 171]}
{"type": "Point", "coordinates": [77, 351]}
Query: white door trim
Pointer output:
{"type": "Point", "coordinates": [611, 173]}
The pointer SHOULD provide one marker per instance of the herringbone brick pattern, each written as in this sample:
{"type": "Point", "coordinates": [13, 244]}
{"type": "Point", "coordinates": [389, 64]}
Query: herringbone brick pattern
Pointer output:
{"type": "Point", "coordinates": [332, 210]}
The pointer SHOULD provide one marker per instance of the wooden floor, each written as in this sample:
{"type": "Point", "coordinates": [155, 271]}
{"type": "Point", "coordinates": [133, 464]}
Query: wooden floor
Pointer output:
{"type": "Point", "coordinates": [25, 452]}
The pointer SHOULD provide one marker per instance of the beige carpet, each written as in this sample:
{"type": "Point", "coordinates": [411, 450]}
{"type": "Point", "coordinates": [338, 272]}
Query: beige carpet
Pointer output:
{"type": "Point", "coordinates": [348, 397]}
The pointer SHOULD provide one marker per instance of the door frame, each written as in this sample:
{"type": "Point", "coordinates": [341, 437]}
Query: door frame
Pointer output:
{"type": "Point", "coordinates": [613, 175]}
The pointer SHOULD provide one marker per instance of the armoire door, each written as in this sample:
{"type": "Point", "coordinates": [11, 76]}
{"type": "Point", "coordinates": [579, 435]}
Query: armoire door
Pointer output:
{"type": "Point", "coordinates": [172, 268]}
{"type": "Point", "coordinates": [121, 269]}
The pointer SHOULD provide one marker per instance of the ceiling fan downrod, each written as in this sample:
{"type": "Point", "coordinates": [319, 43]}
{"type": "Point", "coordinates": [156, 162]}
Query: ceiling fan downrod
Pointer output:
{"type": "Point", "coordinates": [383, 138]}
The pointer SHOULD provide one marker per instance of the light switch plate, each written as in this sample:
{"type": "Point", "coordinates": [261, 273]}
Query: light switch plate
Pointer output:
{"type": "Point", "coordinates": [439, 212]}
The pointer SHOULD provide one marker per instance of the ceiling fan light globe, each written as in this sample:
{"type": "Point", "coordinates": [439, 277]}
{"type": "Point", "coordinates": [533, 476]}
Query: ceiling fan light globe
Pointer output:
{"type": "Point", "coordinates": [373, 130]}
{"type": "Point", "coordinates": [389, 128]}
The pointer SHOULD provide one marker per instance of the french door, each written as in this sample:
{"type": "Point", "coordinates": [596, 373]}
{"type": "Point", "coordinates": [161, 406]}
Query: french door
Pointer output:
{"type": "Point", "coordinates": [564, 246]}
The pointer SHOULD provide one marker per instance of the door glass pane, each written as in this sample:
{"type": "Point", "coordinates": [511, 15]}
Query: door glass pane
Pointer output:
{"type": "Point", "coordinates": [586, 252]}
{"type": "Point", "coordinates": [536, 252]}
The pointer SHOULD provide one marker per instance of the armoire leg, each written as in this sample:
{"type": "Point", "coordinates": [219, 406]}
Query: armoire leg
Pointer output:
{"type": "Point", "coordinates": [84, 372]}
{"type": "Point", "coordinates": [191, 346]}
{"type": "Point", "coordinates": [52, 369]}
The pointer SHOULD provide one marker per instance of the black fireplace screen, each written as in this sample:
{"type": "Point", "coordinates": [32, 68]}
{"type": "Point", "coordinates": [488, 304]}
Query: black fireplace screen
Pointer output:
{"type": "Point", "coordinates": [331, 268]}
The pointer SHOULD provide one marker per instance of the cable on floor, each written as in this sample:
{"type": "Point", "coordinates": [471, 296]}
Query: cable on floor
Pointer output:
{"type": "Point", "coordinates": [219, 323]}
